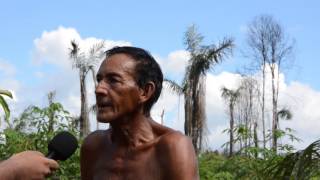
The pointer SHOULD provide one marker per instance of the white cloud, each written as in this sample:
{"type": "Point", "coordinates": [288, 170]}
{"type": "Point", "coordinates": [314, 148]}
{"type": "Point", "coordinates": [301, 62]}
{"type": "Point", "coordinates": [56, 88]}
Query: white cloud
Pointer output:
{"type": "Point", "coordinates": [39, 74]}
{"type": "Point", "coordinates": [54, 71]}
{"type": "Point", "coordinates": [304, 102]}
{"type": "Point", "coordinates": [216, 138]}
{"type": "Point", "coordinates": [53, 46]}
{"type": "Point", "coordinates": [6, 69]}
{"type": "Point", "coordinates": [171, 105]}
{"type": "Point", "coordinates": [173, 66]}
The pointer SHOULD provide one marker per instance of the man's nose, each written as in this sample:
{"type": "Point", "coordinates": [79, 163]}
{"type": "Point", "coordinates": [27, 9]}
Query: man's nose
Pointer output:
{"type": "Point", "coordinates": [101, 88]}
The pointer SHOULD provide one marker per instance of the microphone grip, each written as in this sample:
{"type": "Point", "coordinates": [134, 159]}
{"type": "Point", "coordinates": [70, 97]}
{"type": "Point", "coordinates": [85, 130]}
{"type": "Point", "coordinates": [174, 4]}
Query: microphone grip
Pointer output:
{"type": "Point", "coordinates": [51, 155]}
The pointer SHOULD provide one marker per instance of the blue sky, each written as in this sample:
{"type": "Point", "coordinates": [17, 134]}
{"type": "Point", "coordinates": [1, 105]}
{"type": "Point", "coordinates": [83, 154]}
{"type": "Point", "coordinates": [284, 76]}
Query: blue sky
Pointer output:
{"type": "Point", "coordinates": [157, 26]}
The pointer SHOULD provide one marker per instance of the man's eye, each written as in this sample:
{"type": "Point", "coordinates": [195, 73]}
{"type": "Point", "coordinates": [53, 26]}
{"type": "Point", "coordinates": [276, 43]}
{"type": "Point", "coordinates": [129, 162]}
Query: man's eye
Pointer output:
{"type": "Point", "coordinates": [113, 80]}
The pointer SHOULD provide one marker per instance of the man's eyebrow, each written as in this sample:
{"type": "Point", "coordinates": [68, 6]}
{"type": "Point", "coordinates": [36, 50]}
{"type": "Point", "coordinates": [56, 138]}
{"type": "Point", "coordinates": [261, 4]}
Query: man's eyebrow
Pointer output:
{"type": "Point", "coordinates": [112, 74]}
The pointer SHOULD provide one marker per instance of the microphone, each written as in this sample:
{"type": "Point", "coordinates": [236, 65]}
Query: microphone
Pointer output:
{"type": "Point", "coordinates": [62, 146]}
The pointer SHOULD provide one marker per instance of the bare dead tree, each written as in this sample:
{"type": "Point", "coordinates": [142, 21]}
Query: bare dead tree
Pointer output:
{"type": "Point", "coordinates": [270, 48]}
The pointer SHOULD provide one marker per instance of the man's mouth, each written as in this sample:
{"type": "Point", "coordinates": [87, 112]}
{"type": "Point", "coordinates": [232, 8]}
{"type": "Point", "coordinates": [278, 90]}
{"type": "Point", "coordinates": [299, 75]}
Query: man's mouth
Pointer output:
{"type": "Point", "coordinates": [104, 105]}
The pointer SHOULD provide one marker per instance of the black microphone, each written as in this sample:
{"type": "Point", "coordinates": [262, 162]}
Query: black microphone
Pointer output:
{"type": "Point", "coordinates": [62, 146]}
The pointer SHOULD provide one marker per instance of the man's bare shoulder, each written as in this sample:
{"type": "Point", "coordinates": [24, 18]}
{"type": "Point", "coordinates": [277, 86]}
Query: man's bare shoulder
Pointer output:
{"type": "Point", "coordinates": [177, 156]}
{"type": "Point", "coordinates": [167, 135]}
{"type": "Point", "coordinates": [95, 139]}
{"type": "Point", "coordinates": [174, 139]}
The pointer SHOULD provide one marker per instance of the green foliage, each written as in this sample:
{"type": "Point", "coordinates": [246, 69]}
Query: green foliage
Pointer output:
{"type": "Point", "coordinates": [214, 166]}
{"type": "Point", "coordinates": [303, 164]}
{"type": "Point", "coordinates": [4, 104]}
{"type": "Point", "coordinates": [30, 131]}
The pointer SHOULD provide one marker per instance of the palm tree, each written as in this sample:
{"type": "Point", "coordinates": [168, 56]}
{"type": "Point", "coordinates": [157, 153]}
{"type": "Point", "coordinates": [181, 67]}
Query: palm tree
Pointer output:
{"type": "Point", "coordinates": [231, 96]}
{"type": "Point", "coordinates": [51, 115]}
{"type": "Point", "coordinates": [303, 164]}
{"type": "Point", "coordinates": [202, 59]}
{"type": "Point", "coordinates": [85, 64]}
{"type": "Point", "coordinates": [3, 102]}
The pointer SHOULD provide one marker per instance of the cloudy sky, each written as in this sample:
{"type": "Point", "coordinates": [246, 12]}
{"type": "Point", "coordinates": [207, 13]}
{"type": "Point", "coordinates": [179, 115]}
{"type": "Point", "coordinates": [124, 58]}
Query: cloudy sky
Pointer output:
{"type": "Point", "coordinates": [35, 37]}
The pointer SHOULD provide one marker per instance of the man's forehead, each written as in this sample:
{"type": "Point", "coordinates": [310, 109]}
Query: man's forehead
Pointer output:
{"type": "Point", "coordinates": [118, 62]}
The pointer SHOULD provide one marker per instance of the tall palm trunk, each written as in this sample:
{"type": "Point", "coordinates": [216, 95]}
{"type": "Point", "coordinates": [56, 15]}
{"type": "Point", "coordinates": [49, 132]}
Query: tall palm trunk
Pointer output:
{"type": "Point", "coordinates": [188, 112]}
{"type": "Point", "coordinates": [84, 118]}
{"type": "Point", "coordinates": [93, 73]}
{"type": "Point", "coordinates": [195, 111]}
{"type": "Point", "coordinates": [231, 128]}
{"type": "Point", "coordinates": [51, 113]}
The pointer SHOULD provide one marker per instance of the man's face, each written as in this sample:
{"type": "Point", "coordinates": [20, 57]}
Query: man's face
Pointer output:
{"type": "Point", "coordinates": [117, 94]}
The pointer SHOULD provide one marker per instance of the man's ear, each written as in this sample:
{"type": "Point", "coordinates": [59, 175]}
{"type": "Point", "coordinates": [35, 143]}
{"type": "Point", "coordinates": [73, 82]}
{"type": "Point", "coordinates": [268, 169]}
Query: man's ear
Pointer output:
{"type": "Point", "coordinates": [147, 91]}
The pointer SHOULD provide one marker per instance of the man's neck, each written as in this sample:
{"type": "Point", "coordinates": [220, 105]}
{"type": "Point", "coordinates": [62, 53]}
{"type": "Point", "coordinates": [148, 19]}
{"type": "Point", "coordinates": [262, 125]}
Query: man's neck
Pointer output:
{"type": "Point", "coordinates": [132, 132]}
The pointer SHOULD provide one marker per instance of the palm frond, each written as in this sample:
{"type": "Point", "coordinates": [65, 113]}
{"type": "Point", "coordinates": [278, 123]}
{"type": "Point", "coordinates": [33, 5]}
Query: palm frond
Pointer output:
{"type": "Point", "coordinates": [74, 54]}
{"type": "Point", "coordinates": [192, 39]}
{"type": "Point", "coordinates": [175, 87]}
{"type": "Point", "coordinates": [74, 51]}
{"type": "Point", "coordinates": [208, 56]}
{"type": "Point", "coordinates": [285, 114]}
{"type": "Point", "coordinates": [223, 50]}
{"type": "Point", "coordinates": [225, 92]}
{"type": "Point", "coordinates": [6, 93]}
{"type": "Point", "coordinates": [96, 52]}
{"type": "Point", "coordinates": [229, 93]}
{"type": "Point", "coordinates": [299, 165]}
{"type": "Point", "coordinates": [4, 104]}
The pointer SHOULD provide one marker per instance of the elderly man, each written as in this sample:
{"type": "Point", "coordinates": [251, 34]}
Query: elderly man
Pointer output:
{"type": "Point", "coordinates": [135, 146]}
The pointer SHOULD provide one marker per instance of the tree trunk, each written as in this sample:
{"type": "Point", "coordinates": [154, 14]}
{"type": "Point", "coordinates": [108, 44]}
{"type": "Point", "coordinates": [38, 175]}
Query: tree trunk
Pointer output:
{"type": "Point", "coordinates": [255, 137]}
{"type": "Point", "coordinates": [195, 112]}
{"type": "Point", "coordinates": [51, 112]}
{"type": "Point", "coordinates": [274, 110]}
{"type": "Point", "coordinates": [84, 117]}
{"type": "Point", "coordinates": [93, 76]}
{"type": "Point", "coordinates": [231, 129]}
{"type": "Point", "coordinates": [263, 104]}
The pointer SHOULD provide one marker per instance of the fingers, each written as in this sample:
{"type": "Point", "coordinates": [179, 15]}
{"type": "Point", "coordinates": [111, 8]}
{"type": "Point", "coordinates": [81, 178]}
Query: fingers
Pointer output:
{"type": "Point", "coordinates": [52, 164]}
{"type": "Point", "coordinates": [31, 165]}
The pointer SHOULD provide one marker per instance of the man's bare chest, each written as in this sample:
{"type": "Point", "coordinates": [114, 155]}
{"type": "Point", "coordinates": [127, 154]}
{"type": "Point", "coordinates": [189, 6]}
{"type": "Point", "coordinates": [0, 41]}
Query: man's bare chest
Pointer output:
{"type": "Point", "coordinates": [127, 166]}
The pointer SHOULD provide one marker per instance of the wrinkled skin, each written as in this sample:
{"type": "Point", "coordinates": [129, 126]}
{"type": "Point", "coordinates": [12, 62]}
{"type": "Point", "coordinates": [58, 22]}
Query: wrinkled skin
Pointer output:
{"type": "Point", "coordinates": [135, 147]}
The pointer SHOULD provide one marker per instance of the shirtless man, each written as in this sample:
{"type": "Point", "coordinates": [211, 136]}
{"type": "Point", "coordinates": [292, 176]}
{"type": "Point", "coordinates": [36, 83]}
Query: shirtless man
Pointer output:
{"type": "Point", "coordinates": [135, 147]}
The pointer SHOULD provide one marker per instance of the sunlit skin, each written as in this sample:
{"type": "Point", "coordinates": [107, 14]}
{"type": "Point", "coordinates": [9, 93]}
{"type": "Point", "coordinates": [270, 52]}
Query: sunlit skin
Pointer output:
{"type": "Point", "coordinates": [135, 147]}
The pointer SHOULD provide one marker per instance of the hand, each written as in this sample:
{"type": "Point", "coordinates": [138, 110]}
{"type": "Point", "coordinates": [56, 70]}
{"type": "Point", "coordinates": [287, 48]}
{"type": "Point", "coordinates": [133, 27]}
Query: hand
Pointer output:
{"type": "Point", "coordinates": [28, 165]}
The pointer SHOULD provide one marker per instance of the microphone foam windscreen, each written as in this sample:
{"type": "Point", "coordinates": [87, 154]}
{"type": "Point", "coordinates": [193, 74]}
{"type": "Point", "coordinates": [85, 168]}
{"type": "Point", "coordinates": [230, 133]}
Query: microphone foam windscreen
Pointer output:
{"type": "Point", "coordinates": [63, 145]}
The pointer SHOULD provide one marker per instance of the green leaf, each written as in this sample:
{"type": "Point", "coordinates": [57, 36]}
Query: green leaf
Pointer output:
{"type": "Point", "coordinates": [6, 92]}
{"type": "Point", "coordinates": [5, 107]}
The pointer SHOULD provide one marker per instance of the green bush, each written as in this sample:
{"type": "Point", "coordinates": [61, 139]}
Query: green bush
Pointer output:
{"type": "Point", "coordinates": [31, 132]}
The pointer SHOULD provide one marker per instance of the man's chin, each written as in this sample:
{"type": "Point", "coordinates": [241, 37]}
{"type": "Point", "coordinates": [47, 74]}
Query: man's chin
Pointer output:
{"type": "Point", "coordinates": [104, 119]}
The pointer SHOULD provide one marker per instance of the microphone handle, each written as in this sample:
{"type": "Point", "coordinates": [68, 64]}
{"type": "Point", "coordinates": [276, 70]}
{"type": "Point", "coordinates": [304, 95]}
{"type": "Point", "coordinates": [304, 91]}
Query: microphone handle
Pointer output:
{"type": "Point", "coordinates": [51, 155]}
